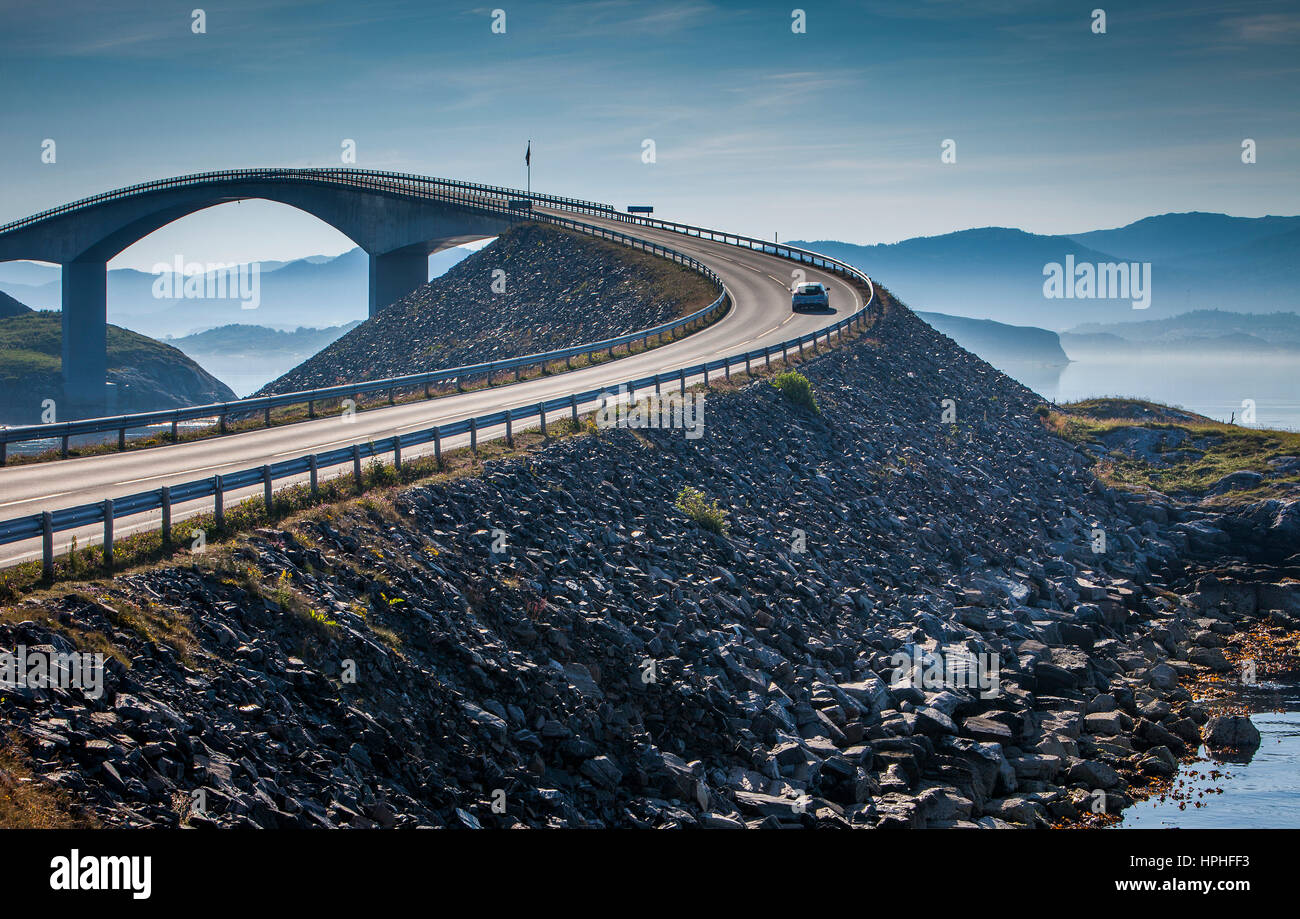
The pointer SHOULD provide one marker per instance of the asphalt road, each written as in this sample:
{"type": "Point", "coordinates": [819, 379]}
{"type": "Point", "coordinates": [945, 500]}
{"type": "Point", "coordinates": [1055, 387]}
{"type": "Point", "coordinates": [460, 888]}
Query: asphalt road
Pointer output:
{"type": "Point", "coordinates": [760, 315]}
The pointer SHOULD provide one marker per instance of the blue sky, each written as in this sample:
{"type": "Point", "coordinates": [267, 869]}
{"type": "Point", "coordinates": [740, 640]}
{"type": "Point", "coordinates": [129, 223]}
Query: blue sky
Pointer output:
{"type": "Point", "coordinates": [835, 133]}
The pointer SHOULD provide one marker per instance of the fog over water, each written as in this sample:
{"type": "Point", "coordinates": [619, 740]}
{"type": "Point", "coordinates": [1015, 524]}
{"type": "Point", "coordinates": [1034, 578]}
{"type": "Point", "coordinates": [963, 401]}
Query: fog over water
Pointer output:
{"type": "Point", "coordinates": [1212, 385]}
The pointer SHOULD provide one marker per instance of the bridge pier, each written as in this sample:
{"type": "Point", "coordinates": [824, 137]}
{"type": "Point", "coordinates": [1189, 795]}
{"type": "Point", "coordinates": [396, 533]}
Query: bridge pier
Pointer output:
{"type": "Point", "coordinates": [393, 275]}
{"type": "Point", "coordinates": [85, 339]}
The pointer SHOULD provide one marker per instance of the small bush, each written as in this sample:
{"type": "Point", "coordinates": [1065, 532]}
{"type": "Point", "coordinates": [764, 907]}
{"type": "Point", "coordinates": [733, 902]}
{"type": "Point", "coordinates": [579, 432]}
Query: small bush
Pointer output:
{"type": "Point", "coordinates": [708, 514]}
{"type": "Point", "coordinates": [795, 387]}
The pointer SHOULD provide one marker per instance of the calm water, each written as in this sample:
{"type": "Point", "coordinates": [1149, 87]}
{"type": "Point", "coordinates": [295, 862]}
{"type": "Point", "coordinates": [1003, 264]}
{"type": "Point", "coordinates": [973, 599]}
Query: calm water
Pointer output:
{"type": "Point", "coordinates": [1264, 792]}
{"type": "Point", "coordinates": [1212, 386]}
{"type": "Point", "coordinates": [246, 374]}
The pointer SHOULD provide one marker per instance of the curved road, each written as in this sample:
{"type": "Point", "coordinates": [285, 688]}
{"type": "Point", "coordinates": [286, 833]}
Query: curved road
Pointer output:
{"type": "Point", "coordinates": [760, 315]}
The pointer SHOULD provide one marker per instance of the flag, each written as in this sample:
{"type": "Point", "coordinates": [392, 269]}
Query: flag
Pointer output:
{"type": "Point", "coordinates": [528, 154]}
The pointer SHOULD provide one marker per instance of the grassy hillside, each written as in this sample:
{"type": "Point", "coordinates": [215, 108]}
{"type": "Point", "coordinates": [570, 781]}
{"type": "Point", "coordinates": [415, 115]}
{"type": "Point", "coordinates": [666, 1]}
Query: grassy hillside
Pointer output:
{"type": "Point", "coordinates": [1142, 445]}
{"type": "Point", "coordinates": [11, 307]}
{"type": "Point", "coordinates": [150, 375]}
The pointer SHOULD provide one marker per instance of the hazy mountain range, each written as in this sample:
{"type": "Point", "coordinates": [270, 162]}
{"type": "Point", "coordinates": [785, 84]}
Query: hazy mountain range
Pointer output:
{"type": "Point", "coordinates": [1219, 285]}
{"type": "Point", "coordinates": [1209, 332]}
{"type": "Point", "coordinates": [1198, 261]}
{"type": "Point", "coordinates": [318, 291]}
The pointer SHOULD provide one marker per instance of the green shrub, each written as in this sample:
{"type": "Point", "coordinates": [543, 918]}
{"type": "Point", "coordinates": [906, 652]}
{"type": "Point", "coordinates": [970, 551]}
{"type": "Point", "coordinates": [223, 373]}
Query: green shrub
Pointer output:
{"type": "Point", "coordinates": [708, 514]}
{"type": "Point", "coordinates": [795, 387]}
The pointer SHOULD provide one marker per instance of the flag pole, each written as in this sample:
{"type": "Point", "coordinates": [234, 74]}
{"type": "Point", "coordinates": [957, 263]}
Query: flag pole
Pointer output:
{"type": "Point", "coordinates": [528, 161]}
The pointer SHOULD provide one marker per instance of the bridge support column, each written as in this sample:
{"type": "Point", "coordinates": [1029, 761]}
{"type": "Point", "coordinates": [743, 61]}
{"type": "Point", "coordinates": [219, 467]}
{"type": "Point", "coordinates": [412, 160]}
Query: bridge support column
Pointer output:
{"type": "Point", "coordinates": [393, 275]}
{"type": "Point", "coordinates": [85, 339]}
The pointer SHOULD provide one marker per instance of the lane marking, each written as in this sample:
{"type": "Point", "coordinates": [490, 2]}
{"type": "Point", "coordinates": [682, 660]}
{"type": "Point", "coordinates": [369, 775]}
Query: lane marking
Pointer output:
{"type": "Point", "coordinates": [165, 475]}
{"type": "Point", "coordinates": [57, 494]}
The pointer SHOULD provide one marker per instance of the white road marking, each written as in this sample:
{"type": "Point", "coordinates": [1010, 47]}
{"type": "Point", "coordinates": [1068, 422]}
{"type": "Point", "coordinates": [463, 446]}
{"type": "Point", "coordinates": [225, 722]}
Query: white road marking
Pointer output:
{"type": "Point", "coordinates": [150, 478]}
{"type": "Point", "coordinates": [57, 494]}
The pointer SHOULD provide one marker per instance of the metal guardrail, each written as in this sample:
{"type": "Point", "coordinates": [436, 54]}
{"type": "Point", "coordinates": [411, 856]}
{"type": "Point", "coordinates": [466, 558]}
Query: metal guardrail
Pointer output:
{"type": "Point", "coordinates": [44, 525]}
{"type": "Point", "coordinates": [65, 430]}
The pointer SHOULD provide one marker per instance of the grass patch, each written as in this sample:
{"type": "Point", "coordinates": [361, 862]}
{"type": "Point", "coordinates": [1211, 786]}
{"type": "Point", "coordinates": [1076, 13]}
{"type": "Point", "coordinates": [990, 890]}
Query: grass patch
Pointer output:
{"type": "Point", "coordinates": [707, 513]}
{"type": "Point", "coordinates": [797, 388]}
{"type": "Point", "coordinates": [28, 802]}
{"type": "Point", "coordinates": [1189, 455]}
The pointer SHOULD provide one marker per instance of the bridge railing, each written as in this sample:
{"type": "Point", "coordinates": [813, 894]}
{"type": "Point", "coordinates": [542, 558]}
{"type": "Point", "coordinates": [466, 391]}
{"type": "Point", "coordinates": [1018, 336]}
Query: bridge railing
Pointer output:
{"type": "Point", "coordinates": [44, 525]}
{"type": "Point", "coordinates": [221, 411]}
{"type": "Point", "coordinates": [308, 174]}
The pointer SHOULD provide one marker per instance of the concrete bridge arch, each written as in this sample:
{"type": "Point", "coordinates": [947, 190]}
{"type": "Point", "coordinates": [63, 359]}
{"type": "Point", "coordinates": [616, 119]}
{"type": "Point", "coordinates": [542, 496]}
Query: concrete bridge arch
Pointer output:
{"type": "Point", "coordinates": [398, 221]}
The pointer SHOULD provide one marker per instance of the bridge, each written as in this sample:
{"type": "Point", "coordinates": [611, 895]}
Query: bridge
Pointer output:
{"type": "Point", "coordinates": [91, 498]}
{"type": "Point", "coordinates": [397, 219]}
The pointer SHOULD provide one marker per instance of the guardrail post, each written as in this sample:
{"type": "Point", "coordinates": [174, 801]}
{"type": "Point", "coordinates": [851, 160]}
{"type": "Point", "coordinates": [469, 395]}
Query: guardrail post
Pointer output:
{"type": "Point", "coordinates": [221, 423]}
{"type": "Point", "coordinates": [426, 389]}
{"type": "Point", "coordinates": [510, 437]}
{"type": "Point", "coordinates": [541, 413]}
{"type": "Point", "coordinates": [518, 369]}
{"type": "Point", "coordinates": [47, 545]}
{"type": "Point", "coordinates": [767, 357]}
{"type": "Point", "coordinates": [473, 436]}
{"type": "Point", "coordinates": [801, 347]}
{"type": "Point", "coordinates": [459, 387]}
{"type": "Point", "coordinates": [266, 489]}
{"type": "Point", "coordinates": [747, 371]}
{"type": "Point", "coordinates": [64, 447]}
{"type": "Point", "coordinates": [437, 447]}
{"type": "Point", "coordinates": [176, 429]}
{"type": "Point", "coordinates": [726, 367]}
{"type": "Point", "coordinates": [121, 439]}
{"type": "Point", "coordinates": [397, 452]}
{"type": "Point", "coordinates": [390, 396]}
{"type": "Point", "coordinates": [108, 534]}
{"type": "Point", "coordinates": [315, 478]}
{"type": "Point", "coordinates": [356, 466]}
{"type": "Point", "coordinates": [311, 408]}
{"type": "Point", "coordinates": [573, 405]}
{"type": "Point", "coordinates": [568, 361]}
{"type": "Point", "coordinates": [165, 499]}
{"type": "Point", "coordinates": [681, 375]}
{"type": "Point", "coordinates": [267, 416]}
{"type": "Point", "coordinates": [219, 503]}
{"type": "Point", "coordinates": [4, 452]}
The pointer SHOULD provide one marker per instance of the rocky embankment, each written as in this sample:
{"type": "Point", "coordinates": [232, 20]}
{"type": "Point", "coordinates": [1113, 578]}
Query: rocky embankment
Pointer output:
{"type": "Point", "coordinates": [558, 289]}
{"type": "Point", "coordinates": [615, 664]}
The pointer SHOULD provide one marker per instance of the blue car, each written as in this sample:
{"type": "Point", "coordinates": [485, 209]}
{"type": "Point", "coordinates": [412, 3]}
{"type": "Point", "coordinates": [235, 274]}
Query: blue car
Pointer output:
{"type": "Point", "coordinates": [810, 295]}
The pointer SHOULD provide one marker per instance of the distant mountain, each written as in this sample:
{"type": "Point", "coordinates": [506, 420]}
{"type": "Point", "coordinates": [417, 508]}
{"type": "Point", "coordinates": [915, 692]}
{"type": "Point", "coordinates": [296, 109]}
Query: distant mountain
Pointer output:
{"type": "Point", "coordinates": [1202, 332]}
{"type": "Point", "coordinates": [316, 291]}
{"type": "Point", "coordinates": [232, 340]}
{"type": "Point", "coordinates": [149, 374]}
{"type": "Point", "coordinates": [1001, 344]}
{"type": "Point", "coordinates": [11, 307]}
{"type": "Point", "coordinates": [1178, 236]}
{"type": "Point", "coordinates": [1197, 261]}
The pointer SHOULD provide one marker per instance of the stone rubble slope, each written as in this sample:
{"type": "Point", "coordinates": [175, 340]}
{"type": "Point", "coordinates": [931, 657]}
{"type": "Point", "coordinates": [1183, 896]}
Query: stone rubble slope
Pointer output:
{"type": "Point", "coordinates": [560, 289]}
{"type": "Point", "coordinates": [619, 666]}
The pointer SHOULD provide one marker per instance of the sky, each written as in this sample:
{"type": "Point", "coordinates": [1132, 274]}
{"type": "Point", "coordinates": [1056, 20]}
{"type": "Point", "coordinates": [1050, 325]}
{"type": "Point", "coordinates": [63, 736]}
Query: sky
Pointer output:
{"type": "Point", "coordinates": [833, 133]}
